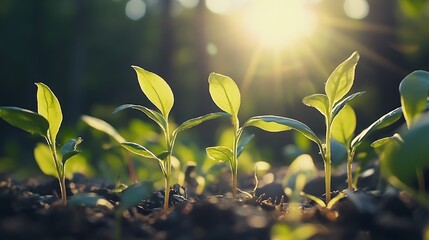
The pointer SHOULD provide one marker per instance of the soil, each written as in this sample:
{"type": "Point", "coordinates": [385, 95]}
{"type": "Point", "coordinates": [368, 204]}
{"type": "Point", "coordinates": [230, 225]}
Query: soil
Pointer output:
{"type": "Point", "coordinates": [32, 210]}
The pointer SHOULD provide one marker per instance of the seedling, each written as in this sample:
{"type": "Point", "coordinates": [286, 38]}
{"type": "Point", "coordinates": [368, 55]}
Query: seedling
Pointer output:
{"type": "Point", "coordinates": [226, 96]}
{"type": "Point", "coordinates": [160, 94]}
{"type": "Point", "coordinates": [330, 104]}
{"type": "Point", "coordinates": [46, 123]}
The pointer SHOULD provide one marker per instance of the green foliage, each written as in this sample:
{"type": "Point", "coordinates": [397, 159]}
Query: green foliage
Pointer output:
{"type": "Point", "coordinates": [301, 232]}
{"type": "Point", "coordinates": [414, 90]}
{"type": "Point", "coordinates": [26, 120]}
{"type": "Point", "coordinates": [330, 105]}
{"type": "Point", "coordinates": [344, 125]}
{"type": "Point", "coordinates": [46, 123]}
{"type": "Point", "coordinates": [226, 96]}
{"type": "Point", "coordinates": [160, 94]}
{"type": "Point", "coordinates": [156, 90]}
{"type": "Point", "coordinates": [404, 159]}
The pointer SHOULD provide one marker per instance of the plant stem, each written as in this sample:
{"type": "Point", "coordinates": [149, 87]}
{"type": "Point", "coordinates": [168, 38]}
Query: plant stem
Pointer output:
{"type": "Point", "coordinates": [60, 171]}
{"type": "Point", "coordinates": [167, 168]}
{"type": "Point", "coordinates": [350, 155]}
{"type": "Point", "coordinates": [234, 164]}
{"type": "Point", "coordinates": [328, 159]}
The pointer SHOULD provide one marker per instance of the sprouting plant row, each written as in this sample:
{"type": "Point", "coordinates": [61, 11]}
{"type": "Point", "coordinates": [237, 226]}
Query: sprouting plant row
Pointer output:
{"type": "Point", "coordinates": [340, 122]}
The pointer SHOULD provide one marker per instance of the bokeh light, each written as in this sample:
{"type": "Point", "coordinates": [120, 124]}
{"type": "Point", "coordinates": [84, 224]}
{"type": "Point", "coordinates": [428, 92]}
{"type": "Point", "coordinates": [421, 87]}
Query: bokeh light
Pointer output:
{"type": "Point", "coordinates": [357, 9]}
{"type": "Point", "coordinates": [220, 6]}
{"type": "Point", "coordinates": [135, 9]}
{"type": "Point", "coordinates": [189, 3]}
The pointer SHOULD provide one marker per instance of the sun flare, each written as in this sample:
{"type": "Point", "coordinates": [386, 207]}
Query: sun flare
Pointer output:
{"type": "Point", "coordinates": [280, 23]}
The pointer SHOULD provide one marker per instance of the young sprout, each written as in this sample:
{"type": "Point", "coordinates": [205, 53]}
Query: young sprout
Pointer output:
{"type": "Point", "coordinates": [160, 94]}
{"type": "Point", "coordinates": [226, 96]}
{"type": "Point", "coordinates": [330, 104]}
{"type": "Point", "coordinates": [46, 123]}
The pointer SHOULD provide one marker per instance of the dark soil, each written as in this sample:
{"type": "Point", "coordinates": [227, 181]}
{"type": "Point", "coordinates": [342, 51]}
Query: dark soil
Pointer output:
{"type": "Point", "coordinates": [32, 210]}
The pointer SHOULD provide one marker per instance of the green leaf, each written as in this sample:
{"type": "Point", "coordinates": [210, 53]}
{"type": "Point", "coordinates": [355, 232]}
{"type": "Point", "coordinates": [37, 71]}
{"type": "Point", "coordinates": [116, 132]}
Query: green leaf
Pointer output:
{"type": "Point", "coordinates": [303, 166]}
{"type": "Point", "coordinates": [155, 116]}
{"type": "Point", "coordinates": [156, 90]}
{"type": "Point", "coordinates": [243, 142]}
{"type": "Point", "coordinates": [49, 107]}
{"type": "Point", "coordinates": [385, 121]}
{"type": "Point", "coordinates": [225, 93]}
{"type": "Point", "coordinates": [344, 125]}
{"type": "Point", "coordinates": [220, 153]}
{"type": "Point", "coordinates": [383, 142]}
{"type": "Point", "coordinates": [25, 119]}
{"type": "Point", "coordinates": [341, 80]}
{"type": "Point", "coordinates": [139, 150]}
{"type": "Point", "coordinates": [344, 102]}
{"type": "Point", "coordinates": [133, 195]}
{"type": "Point", "coordinates": [198, 120]}
{"type": "Point", "coordinates": [414, 90]}
{"type": "Point", "coordinates": [163, 155]}
{"type": "Point", "coordinates": [70, 149]}
{"type": "Point", "coordinates": [44, 160]}
{"type": "Point", "coordinates": [90, 200]}
{"type": "Point", "coordinates": [318, 101]}
{"type": "Point", "coordinates": [277, 124]}
{"type": "Point", "coordinates": [103, 126]}
{"type": "Point", "coordinates": [401, 163]}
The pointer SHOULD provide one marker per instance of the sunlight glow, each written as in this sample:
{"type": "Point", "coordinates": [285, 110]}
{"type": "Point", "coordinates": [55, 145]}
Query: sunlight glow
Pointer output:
{"type": "Point", "coordinates": [279, 23]}
{"type": "Point", "coordinates": [357, 9]}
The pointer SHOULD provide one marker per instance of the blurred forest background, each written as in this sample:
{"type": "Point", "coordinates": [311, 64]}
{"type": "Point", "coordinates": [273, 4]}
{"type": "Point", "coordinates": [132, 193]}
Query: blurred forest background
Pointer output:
{"type": "Point", "coordinates": [278, 51]}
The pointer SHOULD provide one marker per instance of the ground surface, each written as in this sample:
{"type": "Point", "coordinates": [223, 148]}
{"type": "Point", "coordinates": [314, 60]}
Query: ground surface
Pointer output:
{"type": "Point", "coordinates": [31, 210]}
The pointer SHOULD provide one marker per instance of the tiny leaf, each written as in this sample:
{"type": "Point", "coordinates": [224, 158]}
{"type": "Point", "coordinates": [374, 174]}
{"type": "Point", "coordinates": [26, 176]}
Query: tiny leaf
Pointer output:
{"type": "Point", "coordinates": [318, 101]}
{"type": "Point", "coordinates": [163, 155]}
{"type": "Point", "coordinates": [90, 200]}
{"type": "Point", "coordinates": [155, 116]}
{"type": "Point", "coordinates": [44, 160]}
{"type": "Point", "coordinates": [133, 195]}
{"type": "Point", "coordinates": [198, 120]}
{"type": "Point", "coordinates": [414, 90]}
{"type": "Point", "coordinates": [344, 102]}
{"type": "Point", "coordinates": [139, 150]}
{"type": "Point", "coordinates": [70, 149]}
{"type": "Point", "coordinates": [49, 107]}
{"type": "Point", "coordinates": [225, 93]}
{"type": "Point", "coordinates": [341, 80]}
{"type": "Point", "coordinates": [243, 142]}
{"type": "Point", "coordinates": [103, 127]}
{"type": "Point", "coordinates": [25, 119]}
{"type": "Point", "coordinates": [220, 153]}
{"type": "Point", "coordinates": [156, 90]}
{"type": "Point", "coordinates": [344, 125]}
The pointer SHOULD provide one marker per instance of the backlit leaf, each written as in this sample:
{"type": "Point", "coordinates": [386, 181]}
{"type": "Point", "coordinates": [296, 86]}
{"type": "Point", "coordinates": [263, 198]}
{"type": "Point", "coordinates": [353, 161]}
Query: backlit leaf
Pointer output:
{"type": "Point", "coordinates": [344, 125]}
{"type": "Point", "coordinates": [220, 153]}
{"type": "Point", "coordinates": [386, 120]}
{"type": "Point", "coordinates": [44, 160]}
{"type": "Point", "coordinates": [198, 120]}
{"type": "Point", "coordinates": [156, 90]}
{"type": "Point", "coordinates": [155, 116]}
{"type": "Point", "coordinates": [25, 119]}
{"type": "Point", "coordinates": [341, 80]}
{"type": "Point", "coordinates": [414, 90]}
{"type": "Point", "coordinates": [225, 93]}
{"type": "Point", "coordinates": [318, 101]}
{"type": "Point", "coordinates": [103, 126]}
{"type": "Point", "coordinates": [49, 107]}
{"type": "Point", "coordinates": [277, 124]}
{"type": "Point", "coordinates": [139, 150]}
{"type": "Point", "coordinates": [90, 200]}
